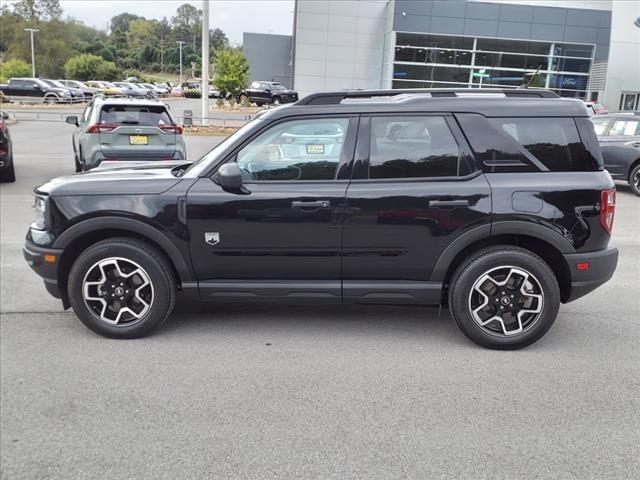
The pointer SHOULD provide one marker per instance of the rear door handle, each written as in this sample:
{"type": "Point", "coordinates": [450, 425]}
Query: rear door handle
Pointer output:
{"type": "Point", "coordinates": [448, 203]}
{"type": "Point", "coordinates": [311, 205]}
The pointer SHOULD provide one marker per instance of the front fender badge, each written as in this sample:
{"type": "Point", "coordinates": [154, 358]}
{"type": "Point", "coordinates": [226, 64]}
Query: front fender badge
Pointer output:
{"type": "Point", "coordinates": [212, 238]}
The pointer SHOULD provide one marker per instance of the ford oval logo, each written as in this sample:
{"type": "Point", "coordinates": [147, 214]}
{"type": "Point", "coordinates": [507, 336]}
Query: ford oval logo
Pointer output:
{"type": "Point", "coordinates": [637, 22]}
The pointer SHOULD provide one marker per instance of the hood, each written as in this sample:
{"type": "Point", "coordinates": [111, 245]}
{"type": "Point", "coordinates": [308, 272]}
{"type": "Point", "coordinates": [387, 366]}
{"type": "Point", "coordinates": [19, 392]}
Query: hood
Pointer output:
{"type": "Point", "coordinates": [146, 179]}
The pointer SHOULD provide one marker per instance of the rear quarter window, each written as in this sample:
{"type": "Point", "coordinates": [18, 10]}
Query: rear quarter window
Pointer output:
{"type": "Point", "coordinates": [531, 144]}
{"type": "Point", "coordinates": [144, 115]}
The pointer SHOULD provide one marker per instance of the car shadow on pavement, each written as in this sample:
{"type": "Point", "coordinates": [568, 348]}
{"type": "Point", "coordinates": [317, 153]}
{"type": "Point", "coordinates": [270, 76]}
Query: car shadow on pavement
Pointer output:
{"type": "Point", "coordinates": [400, 322]}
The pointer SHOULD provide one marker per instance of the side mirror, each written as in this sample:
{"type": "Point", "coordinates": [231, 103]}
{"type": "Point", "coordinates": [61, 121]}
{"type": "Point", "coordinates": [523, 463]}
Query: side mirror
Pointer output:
{"type": "Point", "coordinates": [229, 176]}
{"type": "Point", "coordinates": [72, 120]}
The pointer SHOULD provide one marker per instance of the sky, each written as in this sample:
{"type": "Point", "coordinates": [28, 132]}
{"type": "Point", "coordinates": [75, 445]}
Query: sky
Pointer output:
{"type": "Point", "coordinates": [233, 16]}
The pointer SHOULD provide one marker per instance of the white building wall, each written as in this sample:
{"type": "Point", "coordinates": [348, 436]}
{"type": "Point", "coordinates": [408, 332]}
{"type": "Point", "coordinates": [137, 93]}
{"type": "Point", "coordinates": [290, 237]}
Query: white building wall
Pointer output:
{"type": "Point", "coordinates": [623, 72]}
{"type": "Point", "coordinates": [339, 49]}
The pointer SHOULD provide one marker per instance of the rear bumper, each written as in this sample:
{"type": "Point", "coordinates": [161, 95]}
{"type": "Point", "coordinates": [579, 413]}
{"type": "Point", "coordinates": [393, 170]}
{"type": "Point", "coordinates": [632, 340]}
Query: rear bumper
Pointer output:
{"type": "Point", "coordinates": [48, 270]}
{"type": "Point", "coordinates": [602, 265]}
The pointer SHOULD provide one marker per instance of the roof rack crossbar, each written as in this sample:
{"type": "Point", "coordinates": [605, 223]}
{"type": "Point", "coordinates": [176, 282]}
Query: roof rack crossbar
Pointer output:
{"type": "Point", "coordinates": [333, 98]}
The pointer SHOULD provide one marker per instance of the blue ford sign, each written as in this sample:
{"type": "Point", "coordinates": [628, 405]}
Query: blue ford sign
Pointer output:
{"type": "Point", "coordinates": [637, 22]}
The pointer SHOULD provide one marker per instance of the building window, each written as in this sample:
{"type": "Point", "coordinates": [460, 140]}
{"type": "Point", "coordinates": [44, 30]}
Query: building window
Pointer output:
{"type": "Point", "coordinates": [422, 60]}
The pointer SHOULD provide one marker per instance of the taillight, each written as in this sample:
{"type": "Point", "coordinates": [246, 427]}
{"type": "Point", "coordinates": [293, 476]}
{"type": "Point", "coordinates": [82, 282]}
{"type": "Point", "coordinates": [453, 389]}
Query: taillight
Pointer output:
{"type": "Point", "coordinates": [607, 209]}
{"type": "Point", "coordinates": [171, 128]}
{"type": "Point", "coordinates": [101, 127]}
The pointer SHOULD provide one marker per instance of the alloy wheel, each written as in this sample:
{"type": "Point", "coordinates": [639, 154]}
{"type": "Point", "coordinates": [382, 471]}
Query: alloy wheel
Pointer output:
{"type": "Point", "coordinates": [118, 291]}
{"type": "Point", "coordinates": [506, 301]}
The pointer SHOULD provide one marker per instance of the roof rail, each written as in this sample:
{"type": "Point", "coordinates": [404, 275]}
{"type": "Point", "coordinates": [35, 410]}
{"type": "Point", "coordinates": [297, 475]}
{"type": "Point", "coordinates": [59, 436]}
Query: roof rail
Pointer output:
{"type": "Point", "coordinates": [333, 98]}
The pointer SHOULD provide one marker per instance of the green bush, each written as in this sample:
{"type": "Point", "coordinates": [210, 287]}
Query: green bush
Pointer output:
{"type": "Point", "coordinates": [90, 67]}
{"type": "Point", "coordinates": [231, 71]}
{"type": "Point", "coordinates": [14, 68]}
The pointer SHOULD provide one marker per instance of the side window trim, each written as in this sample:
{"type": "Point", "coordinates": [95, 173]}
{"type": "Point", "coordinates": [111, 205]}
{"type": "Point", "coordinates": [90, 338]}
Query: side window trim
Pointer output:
{"type": "Point", "coordinates": [363, 149]}
{"type": "Point", "coordinates": [345, 165]}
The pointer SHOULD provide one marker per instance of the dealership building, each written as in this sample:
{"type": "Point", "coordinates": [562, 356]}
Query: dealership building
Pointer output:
{"type": "Point", "coordinates": [581, 49]}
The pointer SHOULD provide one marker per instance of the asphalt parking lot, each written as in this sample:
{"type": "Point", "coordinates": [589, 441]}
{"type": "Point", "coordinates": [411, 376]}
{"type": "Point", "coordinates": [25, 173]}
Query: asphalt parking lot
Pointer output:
{"type": "Point", "coordinates": [262, 392]}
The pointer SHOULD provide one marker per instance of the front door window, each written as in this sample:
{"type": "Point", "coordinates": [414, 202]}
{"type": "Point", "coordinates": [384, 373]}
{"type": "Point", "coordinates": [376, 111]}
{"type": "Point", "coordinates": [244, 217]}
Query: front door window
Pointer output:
{"type": "Point", "coordinates": [296, 150]}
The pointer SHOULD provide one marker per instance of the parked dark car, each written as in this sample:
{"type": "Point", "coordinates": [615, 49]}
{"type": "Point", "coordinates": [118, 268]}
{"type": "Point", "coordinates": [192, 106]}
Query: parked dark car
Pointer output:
{"type": "Point", "coordinates": [494, 205]}
{"type": "Point", "coordinates": [262, 93]}
{"type": "Point", "coordinates": [619, 136]}
{"type": "Point", "coordinates": [76, 94]}
{"type": "Point", "coordinates": [35, 89]}
{"type": "Point", "coordinates": [87, 91]}
{"type": "Point", "coordinates": [7, 170]}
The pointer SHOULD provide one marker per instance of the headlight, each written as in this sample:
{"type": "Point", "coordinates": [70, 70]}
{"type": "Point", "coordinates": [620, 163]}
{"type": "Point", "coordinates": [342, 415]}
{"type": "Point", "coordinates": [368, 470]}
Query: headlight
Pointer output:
{"type": "Point", "coordinates": [40, 208]}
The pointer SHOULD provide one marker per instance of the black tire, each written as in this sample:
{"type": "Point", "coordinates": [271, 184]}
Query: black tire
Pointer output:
{"type": "Point", "coordinates": [76, 161]}
{"type": "Point", "coordinates": [8, 174]}
{"type": "Point", "coordinates": [634, 179]}
{"type": "Point", "coordinates": [129, 251]}
{"type": "Point", "coordinates": [500, 261]}
{"type": "Point", "coordinates": [50, 99]}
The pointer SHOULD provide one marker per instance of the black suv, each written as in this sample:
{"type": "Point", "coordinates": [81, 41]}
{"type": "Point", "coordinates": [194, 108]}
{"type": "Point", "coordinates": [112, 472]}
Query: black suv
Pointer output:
{"type": "Point", "coordinates": [262, 93]}
{"type": "Point", "coordinates": [493, 203]}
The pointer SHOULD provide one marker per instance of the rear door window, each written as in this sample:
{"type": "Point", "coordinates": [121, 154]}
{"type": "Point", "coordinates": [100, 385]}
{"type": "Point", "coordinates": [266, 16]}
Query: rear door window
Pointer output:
{"type": "Point", "coordinates": [412, 147]}
{"type": "Point", "coordinates": [142, 115]}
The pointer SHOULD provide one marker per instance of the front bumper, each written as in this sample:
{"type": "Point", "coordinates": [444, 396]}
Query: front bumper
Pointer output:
{"type": "Point", "coordinates": [45, 267]}
{"type": "Point", "coordinates": [601, 266]}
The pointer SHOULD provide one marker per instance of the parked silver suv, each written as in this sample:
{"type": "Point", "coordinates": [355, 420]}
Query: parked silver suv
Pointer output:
{"type": "Point", "coordinates": [124, 129]}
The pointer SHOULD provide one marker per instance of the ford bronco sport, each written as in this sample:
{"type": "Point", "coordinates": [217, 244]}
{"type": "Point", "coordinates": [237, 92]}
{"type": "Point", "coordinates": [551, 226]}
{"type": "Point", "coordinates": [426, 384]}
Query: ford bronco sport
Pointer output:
{"type": "Point", "coordinates": [492, 202]}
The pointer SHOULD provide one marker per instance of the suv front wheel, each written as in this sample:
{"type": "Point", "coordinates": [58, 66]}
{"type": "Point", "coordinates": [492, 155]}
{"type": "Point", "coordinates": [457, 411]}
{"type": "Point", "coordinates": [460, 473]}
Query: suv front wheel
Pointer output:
{"type": "Point", "coordinates": [634, 179]}
{"type": "Point", "coordinates": [122, 288]}
{"type": "Point", "coordinates": [504, 297]}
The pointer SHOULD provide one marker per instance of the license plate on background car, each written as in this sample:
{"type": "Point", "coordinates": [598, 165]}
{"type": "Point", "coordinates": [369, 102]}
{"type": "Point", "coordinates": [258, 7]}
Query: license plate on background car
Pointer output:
{"type": "Point", "coordinates": [315, 149]}
{"type": "Point", "coordinates": [138, 140]}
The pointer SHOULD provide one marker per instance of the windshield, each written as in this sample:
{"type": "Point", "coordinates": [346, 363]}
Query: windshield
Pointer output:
{"type": "Point", "coordinates": [55, 83]}
{"type": "Point", "coordinates": [199, 166]}
{"type": "Point", "coordinates": [277, 86]}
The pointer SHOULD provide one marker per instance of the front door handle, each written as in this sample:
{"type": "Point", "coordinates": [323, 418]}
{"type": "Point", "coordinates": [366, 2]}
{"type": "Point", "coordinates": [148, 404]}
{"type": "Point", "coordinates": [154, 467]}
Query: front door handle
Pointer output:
{"type": "Point", "coordinates": [448, 203]}
{"type": "Point", "coordinates": [312, 205]}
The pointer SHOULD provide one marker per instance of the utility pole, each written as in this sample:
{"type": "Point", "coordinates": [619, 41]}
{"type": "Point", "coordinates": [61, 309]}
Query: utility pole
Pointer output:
{"type": "Point", "coordinates": [161, 54]}
{"type": "Point", "coordinates": [180, 42]}
{"type": "Point", "coordinates": [33, 57]}
{"type": "Point", "coordinates": [205, 62]}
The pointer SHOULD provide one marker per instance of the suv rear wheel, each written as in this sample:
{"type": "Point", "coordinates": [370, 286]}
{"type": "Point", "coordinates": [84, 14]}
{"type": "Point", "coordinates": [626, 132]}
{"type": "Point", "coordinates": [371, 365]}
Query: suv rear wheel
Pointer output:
{"type": "Point", "coordinates": [504, 297]}
{"type": "Point", "coordinates": [122, 288]}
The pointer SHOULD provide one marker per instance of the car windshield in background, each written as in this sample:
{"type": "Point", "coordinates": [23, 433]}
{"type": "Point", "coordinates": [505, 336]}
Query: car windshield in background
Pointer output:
{"type": "Point", "coordinates": [145, 115]}
{"type": "Point", "coordinates": [277, 86]}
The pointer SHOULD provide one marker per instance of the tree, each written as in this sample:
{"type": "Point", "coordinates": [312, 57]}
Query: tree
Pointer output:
{"type": "Point", "coordinates": [121, 22]}
{"type": "Point", "coordinates": [14, 68]}
{"type": "Point", "coordinates": [231, 71]}
{"type": "Point", "coordinates": [90, 67]}
{"type": "Point", "coordinates": [218, 40]}
{"type": "Point", "coordinates": [38, 9]}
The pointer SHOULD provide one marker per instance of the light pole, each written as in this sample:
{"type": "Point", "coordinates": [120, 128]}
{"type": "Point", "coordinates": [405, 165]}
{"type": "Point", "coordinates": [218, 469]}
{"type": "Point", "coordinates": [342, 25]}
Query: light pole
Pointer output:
{"type": "Point", "coordinates": [205, 62]}
{"type": "Point", "coordinates": [179, 42]}
{"type": "Point", "coordinates": [33, 58]}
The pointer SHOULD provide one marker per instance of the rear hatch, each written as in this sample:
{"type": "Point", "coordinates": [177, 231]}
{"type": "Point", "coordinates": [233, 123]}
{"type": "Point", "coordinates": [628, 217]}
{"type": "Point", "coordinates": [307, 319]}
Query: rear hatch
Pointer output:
{"type": "Point", "coordinates": [137, 132]}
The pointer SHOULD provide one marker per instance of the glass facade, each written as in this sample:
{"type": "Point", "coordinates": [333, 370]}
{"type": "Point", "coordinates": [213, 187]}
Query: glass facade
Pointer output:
{"type": "Point", "coordinates": [447, 61]}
